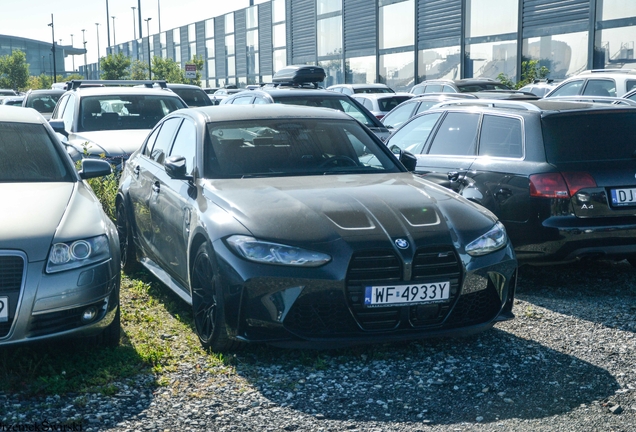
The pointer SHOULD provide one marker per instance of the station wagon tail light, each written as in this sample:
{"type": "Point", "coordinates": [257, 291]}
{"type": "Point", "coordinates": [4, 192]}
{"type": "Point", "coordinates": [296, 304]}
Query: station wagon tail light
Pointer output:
{"type": "Point", "coordinates": [578, 180]}
{"type": "Point", "coordinates": [559, 185]}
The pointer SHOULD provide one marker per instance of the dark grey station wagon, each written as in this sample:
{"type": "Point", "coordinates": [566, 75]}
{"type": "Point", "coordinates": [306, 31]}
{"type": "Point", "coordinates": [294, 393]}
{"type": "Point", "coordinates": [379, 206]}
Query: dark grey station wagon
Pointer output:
{"type": "Point", "coordinates": [561, 176]}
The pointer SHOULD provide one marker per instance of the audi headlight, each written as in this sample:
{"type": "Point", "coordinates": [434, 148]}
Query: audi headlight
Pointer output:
{"type": "Point", "coordinates": [273, 253]}
{"type": "Point", "coordinates": [78, 253]}
{"type": "Point", "coordinates": [493, 240]}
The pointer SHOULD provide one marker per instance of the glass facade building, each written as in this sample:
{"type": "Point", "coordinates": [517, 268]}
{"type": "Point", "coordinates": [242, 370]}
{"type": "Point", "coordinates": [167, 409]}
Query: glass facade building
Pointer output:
{"type": "Point", "coordinates": [401, 42]}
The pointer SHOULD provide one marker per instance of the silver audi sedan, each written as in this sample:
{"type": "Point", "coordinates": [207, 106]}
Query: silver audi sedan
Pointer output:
{"type": "Point", "coordinates": [59, 252]}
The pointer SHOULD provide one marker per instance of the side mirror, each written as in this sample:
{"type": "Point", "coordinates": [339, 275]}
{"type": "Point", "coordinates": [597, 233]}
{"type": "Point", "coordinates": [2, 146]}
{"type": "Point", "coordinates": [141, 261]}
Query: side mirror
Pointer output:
{"type": "Point", "coordinates": [58, 127]}
{"type": "Point", "coordinates": [408, 159]}
{"type": "Point", "coordinates": [92, 168]}
{"type": "Point", "coordinates": [176, 168]}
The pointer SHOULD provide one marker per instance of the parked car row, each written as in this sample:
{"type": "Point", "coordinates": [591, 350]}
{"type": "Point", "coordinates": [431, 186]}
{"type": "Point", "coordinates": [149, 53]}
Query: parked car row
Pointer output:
{"type": "Point", "coordinates": [283, 222]}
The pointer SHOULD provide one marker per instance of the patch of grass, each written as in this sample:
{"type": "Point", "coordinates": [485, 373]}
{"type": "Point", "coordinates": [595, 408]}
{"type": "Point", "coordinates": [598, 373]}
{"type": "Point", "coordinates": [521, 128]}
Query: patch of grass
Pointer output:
{"type": "Point", "coordinates": [157, 336]}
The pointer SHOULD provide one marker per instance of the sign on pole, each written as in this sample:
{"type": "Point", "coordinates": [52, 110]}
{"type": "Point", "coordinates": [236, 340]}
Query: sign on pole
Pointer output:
{"type": "Point", "coordinates": [190, 71]}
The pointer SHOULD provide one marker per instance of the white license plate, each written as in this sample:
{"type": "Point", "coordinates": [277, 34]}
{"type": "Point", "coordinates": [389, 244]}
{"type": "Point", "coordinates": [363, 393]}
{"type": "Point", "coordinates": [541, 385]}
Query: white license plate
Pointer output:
{"type": "Point", "coordinates": [377, 296]}
{"type": "Point", "coordinates": [623, 197]}
{"type": "Point", "coordinates": [4, 309]}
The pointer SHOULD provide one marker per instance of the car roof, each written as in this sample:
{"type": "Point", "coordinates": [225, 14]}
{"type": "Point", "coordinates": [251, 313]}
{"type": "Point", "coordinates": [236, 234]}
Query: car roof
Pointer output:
{"type": "Point", "coordinates": [17, 114]}
{"type": "Point", "coordinates": [99, 91]}
{"type": "Point", "coordinates": [543, 107]}
{"type": "Point", "coordinates": [46, 91]}
{"type": "Point", "coordinates": [296, 91]}
{"type": "Point", "coordinates": [373, 85]}
{"type": "Point", "coordinates": [382, 95]}
{"type": "Point", "coordinates": [462, 81]}
{"type": "Point", "coordinates": [179, 85]}
{"type": "Point", "coordinates": [223, 113]}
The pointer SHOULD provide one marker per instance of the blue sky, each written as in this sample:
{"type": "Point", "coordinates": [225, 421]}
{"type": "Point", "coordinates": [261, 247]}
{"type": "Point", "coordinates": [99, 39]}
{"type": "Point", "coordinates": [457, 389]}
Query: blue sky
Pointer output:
{"type": "Point", "coordinates": [30, 19]}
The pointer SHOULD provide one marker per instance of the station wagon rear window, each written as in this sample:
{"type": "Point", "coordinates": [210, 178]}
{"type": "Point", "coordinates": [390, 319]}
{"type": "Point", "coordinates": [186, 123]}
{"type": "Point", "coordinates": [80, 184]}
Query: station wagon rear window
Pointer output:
{"type": "Point", "coordinates": [579, 137]}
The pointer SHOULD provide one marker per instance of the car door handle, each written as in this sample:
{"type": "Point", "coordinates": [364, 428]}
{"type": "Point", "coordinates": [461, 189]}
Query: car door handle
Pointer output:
{"type": "Point", "coordinates": [503, 193]}
{"type": "Point", "coordinates": [156, 187]}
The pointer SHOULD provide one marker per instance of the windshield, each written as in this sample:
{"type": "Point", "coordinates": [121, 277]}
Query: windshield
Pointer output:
{"type": "Point", "coordinates": [372, 90]}
{"type": "Point", "coordinates": [117, 112]}
{"type": "Point", "coordinates": [28, 154]}
{"type": "Point", "coordinates": [193, 97]}
{"type": "Point", "coordinates": [590, 137]}
{"type": "Point", "coordinates": [44, 103]}
{"type": "Point", "coordinates": [338, 103]}
{"type": "Point", "coordinates": [476, 87]}
{"type": "Point", "coordinates": [292, 147]}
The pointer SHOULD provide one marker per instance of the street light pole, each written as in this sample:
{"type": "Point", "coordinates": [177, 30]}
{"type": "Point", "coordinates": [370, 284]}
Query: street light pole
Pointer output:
{"type": "Point", "coordinates": [72, 55]}
{"type": "Point", "coordinates": [139, 12]}
{"type": "Point", "coordinates": [149, 62]}
{"type": "Point", "coordinates": [53, 49]}
{"type": "Point", "coordinates": [98, 54]}
{"type": "Point", "coordinates": [107, 26]}
{"type": "Point", "coordinates": [84, 42]}
{"type": "Point", "coordinates": [134, 26]}
{"type": "Point", "coordinates": [114, 41]}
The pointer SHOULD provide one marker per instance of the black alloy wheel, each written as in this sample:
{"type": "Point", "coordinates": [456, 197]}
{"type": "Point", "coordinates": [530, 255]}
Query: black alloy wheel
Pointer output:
{"type": "Point", "coordinates": [207, 303]}
{"type": "Point", "coordinates": [128, 253]}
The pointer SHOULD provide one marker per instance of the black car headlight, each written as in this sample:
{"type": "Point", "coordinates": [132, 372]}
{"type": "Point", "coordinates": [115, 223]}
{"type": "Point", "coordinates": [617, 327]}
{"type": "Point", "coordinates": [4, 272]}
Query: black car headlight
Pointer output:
{"type": "Point", "coordinates": [493, 240]}
{"type": "Point", "coordinates": [77, 253]}
{"type": "Point", "coordinates": [272, 253]}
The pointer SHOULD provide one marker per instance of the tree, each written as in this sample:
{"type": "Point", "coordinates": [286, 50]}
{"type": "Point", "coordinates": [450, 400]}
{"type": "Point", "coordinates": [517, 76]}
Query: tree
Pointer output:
{"type": "Point", "coordinates": [115, 66]}
{"type": "Point", "coordinates": [14, 71]}
{"type": "Point", "coordinates": [167, 69]}
{"type": "Point", "coordinates": [138, 70]}
{"type": "Point", "coordinates": [530, 71]}
{"type": "Point", "coordinates": [199, 63]}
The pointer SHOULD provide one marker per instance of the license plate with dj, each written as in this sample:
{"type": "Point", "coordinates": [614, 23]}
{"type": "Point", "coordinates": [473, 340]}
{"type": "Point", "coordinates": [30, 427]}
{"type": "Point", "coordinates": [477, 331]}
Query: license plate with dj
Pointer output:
{"type": "Point", "coordinates": [378, 296]}
{"type": "Point", "coordinates": [623, 197]}
{"type": "Point", "coordinates": [4, 309]}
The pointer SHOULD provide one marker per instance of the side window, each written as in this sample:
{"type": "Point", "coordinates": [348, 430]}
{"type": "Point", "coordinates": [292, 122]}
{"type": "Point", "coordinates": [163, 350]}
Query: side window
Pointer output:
{"type": "Point", "coordinates": [456, 135]}
{"type": "Point", "coordinates": [259, 101]}
{"type": "Point", "coordinates": [572, 88]}
{"type": "Point", "coordinates": [367, 104]}
{"type": "Point", "coordinates": [243, 100]}
{"type": "Point", "coordinates": [185, 144]}
{"type": "Point", "coordinates": [596, 87]}
{"type": "Point", "coordinates": [500, 137]}
{"type": "Point", "coordinates": [413, 135]}
{"type": "Point", "coordinates": [398, 116]}
{"type": "Point", "coordinates": [417, 90]}
{"type": "Point", "coordinates": [356, 112]}
{"type": "Point", "coordinates": [630, 85]}
{"type": "Point", "coordinates": [164, 140]}
{"type": "Point", "coordinates": [433, 88]}
{"type": "Point", "coordinates": [425, 105]}
{"type": "Point", "coordinates": [448, 89]}
{"type": "Point", "coordinates": [59, 108]}
{"type": "Point", "coordinates": [69, 113]}
{"type": "Point", "coordinates": [151, 141]}
{"type": "Point", "coordinates": [346, 90]}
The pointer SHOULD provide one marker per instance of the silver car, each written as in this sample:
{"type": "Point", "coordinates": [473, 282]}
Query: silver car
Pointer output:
{"type": "Point", "coordinates": [59, 252]}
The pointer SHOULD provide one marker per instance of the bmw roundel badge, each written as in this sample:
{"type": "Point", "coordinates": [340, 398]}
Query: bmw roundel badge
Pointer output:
{"type": "Point", "coordinates": [402, 243]}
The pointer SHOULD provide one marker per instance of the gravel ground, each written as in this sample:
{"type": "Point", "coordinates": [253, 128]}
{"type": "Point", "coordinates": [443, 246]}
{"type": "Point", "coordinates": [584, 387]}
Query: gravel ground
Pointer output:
{"type": "Point", "coordinates": [566, 363]}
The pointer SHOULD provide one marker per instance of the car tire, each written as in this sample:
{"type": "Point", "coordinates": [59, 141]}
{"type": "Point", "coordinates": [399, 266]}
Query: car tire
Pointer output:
{"type": "Point", "coordinates": [128, 252]}
{"type": "Point", "coordinates": [207, 303]}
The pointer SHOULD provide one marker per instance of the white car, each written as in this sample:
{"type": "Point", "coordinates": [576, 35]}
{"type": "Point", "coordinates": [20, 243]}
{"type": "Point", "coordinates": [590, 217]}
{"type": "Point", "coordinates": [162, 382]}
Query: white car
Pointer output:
{"type": "Point", "coordinates": [108, 122]}
{"type": "Point", "coordinates": [598, 82]}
